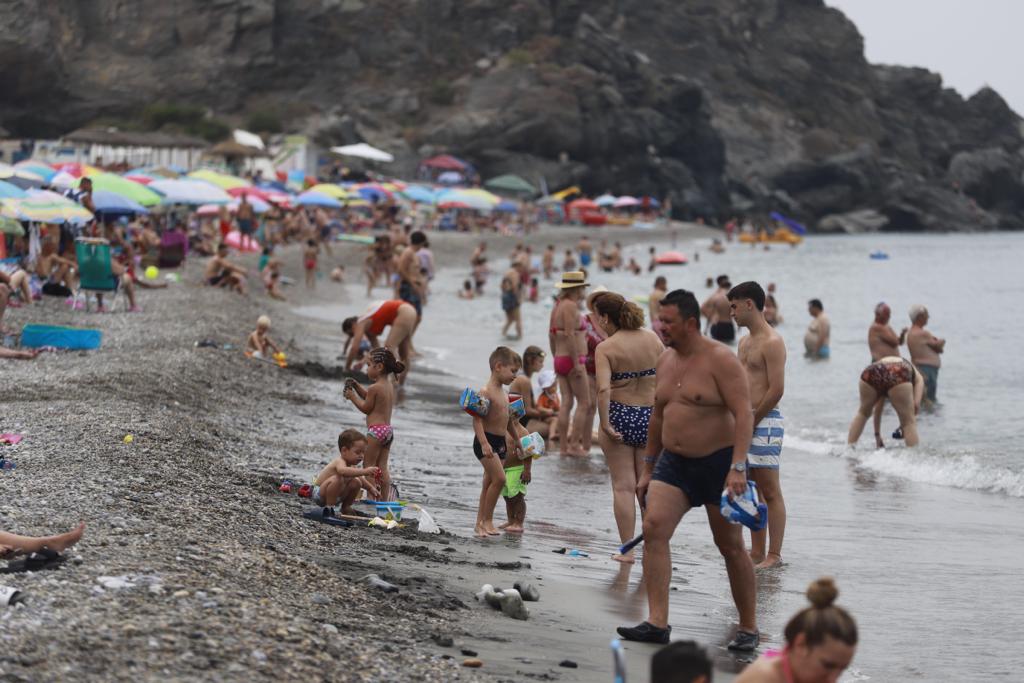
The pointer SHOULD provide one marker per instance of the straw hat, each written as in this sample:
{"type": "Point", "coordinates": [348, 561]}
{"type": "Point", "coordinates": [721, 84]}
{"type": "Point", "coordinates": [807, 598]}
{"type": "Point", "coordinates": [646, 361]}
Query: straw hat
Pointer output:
{"type": "Point", "coordinates": [573, 279]}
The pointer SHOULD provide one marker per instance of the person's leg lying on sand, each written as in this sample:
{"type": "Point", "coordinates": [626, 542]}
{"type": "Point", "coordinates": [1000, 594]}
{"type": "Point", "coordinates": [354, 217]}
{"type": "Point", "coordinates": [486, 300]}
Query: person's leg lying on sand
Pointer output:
{"type": "Point", "coordinates": [13, 544]}
{"type": "Point", "coordinates": [14, 354]}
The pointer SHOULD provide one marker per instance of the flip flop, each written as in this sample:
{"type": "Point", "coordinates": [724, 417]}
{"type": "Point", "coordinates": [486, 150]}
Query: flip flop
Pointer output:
{"type": "Point", "coordinates": [317, 515]}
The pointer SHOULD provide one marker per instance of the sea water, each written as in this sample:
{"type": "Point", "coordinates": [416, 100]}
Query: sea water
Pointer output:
{"type": "Point", "coordinates": [926, 544]}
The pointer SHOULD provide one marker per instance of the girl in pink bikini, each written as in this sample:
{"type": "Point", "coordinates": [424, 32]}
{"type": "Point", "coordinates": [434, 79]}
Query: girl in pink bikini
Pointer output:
{"type": "Point", "coordinates": [820, 643]}
{"type": "Point", "coordinates": [376, 403]}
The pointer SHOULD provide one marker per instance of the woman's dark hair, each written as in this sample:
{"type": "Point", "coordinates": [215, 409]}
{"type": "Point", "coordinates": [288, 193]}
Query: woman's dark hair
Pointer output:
{"type": "Point", "coordinates": [349, 324]}
{"type": "Point", "coordinates": [822, 619]}
{"type": "Point", "coordinates": [625, 315]}
{"type": "Point", "coordinates": [392, 366]}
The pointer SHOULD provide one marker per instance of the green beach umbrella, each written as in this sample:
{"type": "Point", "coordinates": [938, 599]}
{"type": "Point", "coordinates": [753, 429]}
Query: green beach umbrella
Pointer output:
{"type": "Point", "coordinates": [137, 192]}
{"type": "Point", "coordinates": [510, 184]}
{"type": "Point", "coordinates": [10, 226]}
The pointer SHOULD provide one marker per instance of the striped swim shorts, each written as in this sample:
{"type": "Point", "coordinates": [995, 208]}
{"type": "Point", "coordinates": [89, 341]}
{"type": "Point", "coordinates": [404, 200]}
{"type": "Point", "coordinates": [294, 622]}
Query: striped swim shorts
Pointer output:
{"type": "Point", "coordinates": [766, 445]}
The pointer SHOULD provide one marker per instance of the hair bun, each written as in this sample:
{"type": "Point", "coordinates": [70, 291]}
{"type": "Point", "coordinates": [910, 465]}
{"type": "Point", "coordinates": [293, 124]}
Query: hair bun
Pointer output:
{"type": "Point", "coordinates": [822, 593]}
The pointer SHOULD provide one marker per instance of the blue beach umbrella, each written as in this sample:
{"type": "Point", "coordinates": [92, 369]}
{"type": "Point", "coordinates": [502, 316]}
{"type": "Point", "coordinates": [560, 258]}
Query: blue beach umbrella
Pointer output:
{"type": "Point", "coordinates": [419, 193]}
{"type": "Point", "coordinates": [112, 204]}
{"type": "Point", "coordinates": [507, 206]}
{"type": "Point", "coordinates": [9, 191]}
{"type": "Point", "coordinates": [317, 199]}
{"type": "Point", "coordinates": [41, 169]}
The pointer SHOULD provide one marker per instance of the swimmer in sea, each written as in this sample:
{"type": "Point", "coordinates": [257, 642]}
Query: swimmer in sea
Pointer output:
{"type": "Point", "coordinates": [819, 332]}
{"type": "Point", "coordinates": [718, 314]}
{"type": "Point", "coordinates": [654, 303]}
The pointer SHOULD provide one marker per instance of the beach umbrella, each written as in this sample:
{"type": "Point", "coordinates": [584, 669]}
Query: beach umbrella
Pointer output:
{"type": "Point", "coordinates": [112, 204]}
{"type": "Point", "coordinates": [40, 168]}
{"type": "Point", "coordinates": [364, 151]}
{"type": "Point", "coordinates": [76, 169]}
{"type": "Point", "coordinates": [625, 202]}
{"type": "Point", "coordinates": [329, 189]}
{"type": "Point", "coordinates": [221, 180]}
{"type": "Point", "coordinates": [507, 206]}
{"type": "Point", "coordinates": [10, 226]}
{"type": "Point", "coordinates": [9, 191]}
{"type": "Point", "coordinates": [481, 200]}
{"type": "Point", "coordinates": [20, 177]}
{"type": "Point", "coordinates": [43, 206]}
{"type": "Point", "coordinates": [63, 180]}
{"type": "Point", "coordinates": [549, 200]}
{"type": "Point", "coordinates": [582, 205]}
{"type": "Point", "coordinates": [454, 205]}
{"type": "Point", "coordinates": [445, 162]}
{"type": "Point", "coordinates": [258, 206]}
{"type": "Point", "coordinates": [188, 191]}
{"type": "Point", "coordinates": [450, 178]}
{"type": "Point", "coordinates": [373, 194]}
{"type": "Point", "coordinates": [141, 179]}
{"type": "Point", "coordinates": [605, 200]}
{"type": "Point", "coordinates": [419, 193]}
{"type": "Point", "coordinates": [155, 172]}
{"type": "Point", "coordinates": [126, 188]}
{"type": "Point", "coordinates": [310, 198]}
{"type": "Point", "coordinates": [510, 184]}
{"type": "Point", "coordinates": [266, 194]}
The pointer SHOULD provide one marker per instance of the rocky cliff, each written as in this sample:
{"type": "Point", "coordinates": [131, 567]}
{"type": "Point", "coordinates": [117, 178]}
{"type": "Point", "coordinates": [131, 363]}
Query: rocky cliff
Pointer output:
{"type": "Point", "coordinates": [728, 106]}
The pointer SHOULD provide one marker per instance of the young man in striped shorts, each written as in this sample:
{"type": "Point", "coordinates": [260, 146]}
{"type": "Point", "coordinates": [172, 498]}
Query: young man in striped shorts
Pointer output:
{"type": "Point", "coordinates": [763, 355]}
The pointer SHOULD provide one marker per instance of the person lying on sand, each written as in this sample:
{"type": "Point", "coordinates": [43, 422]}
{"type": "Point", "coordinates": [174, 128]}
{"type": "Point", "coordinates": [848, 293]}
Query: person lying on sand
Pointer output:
{"type": "Point", "coordinates": [341, 480]}
{"type": "Point", "coordinates": [259, 343]}
{"type": "Point", "coordinates": [14, 354]}
{"type": "Point", "coordinates": [12, 545]}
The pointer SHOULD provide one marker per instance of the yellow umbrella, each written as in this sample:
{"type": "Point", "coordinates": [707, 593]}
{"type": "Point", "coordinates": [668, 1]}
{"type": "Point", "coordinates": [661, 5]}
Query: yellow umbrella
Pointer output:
{"type": "Point", "coordinates": [221, 180]}
{"type": "Point", "coordinates": [330, 190]}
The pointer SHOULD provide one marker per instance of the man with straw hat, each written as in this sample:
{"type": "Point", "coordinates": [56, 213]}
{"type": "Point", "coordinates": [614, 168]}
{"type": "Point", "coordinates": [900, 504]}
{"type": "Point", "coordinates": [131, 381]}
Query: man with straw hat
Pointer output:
{"type": "Point", "coordinates": [568, 346]}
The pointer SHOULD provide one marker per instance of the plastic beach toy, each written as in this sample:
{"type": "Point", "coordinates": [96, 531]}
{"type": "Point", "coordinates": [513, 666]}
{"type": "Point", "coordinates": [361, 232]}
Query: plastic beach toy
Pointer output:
{"type": "Point", "coordinates": [516, 408]}
{"type": "Point", "coordinates": [533, 445]}
{"type": "Point", "coordinates": [745, 509]}
{"type": "Point", "coordinates": [152, 273]}
{"type": "Point", "coordinates": [473, 403]}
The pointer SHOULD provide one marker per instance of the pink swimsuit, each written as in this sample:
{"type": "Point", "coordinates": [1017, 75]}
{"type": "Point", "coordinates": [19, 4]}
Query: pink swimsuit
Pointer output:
{"type": "Point", "coordinates": [383, 433]}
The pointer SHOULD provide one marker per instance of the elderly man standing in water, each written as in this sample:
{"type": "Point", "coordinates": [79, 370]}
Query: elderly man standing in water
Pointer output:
{"type": "Point", "coordinates": [697, 443]}
{"type": "Point", "coordinates": [819, 332]}
{"type": "Point", "coordinates": [925, 349]}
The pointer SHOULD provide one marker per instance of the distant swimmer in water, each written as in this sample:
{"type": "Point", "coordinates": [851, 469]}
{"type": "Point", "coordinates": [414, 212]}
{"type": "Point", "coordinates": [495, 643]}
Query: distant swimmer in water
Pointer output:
{"type": "Point", "coordinates": [898, 380]}
{"type": "Point", "coordinates": [716, 311]}
{"type": "Point", "coordinates": [586, 251]}
{"type": "Point", "coordinates": [821, 641]}
{"type": "Point", "coordinates": [763, 354]}
{"type": "Point", "coordinates": [925, 349]}
{"type": "Point", "coordinates": [697, 445]}
{"type": "Point", "coordinates": [819, 332]}
{"type": "Point", "coordinates": [654, 303]}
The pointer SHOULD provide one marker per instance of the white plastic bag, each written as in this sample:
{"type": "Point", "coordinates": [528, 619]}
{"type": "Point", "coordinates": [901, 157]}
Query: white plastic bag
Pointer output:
{"type": "Point", "coordinates": [427, 524]}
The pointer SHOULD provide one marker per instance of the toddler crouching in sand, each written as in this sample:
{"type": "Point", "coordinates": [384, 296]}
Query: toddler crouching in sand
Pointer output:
{"type": "Point", "coordinates": [259, 344]}
{"type": "Point", "coordinates": [341, 480]}
{"type": "Point", "coordinates": [489, 444]}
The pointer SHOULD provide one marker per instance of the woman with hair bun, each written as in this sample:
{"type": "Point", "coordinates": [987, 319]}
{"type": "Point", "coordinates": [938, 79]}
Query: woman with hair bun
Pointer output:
{"type": "Point", "coordinates": [626, 363]}
{"type": "Point", "coordinates": [376, 403]}
{"type": "Point", "coordinates": [820, 643]}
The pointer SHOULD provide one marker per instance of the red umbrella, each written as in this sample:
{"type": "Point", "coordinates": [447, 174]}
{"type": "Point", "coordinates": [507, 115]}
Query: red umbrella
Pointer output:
{"type": "Point", "coordinates": [267, 195]}
{"type": "Point", "coordinates": [143, 179]}
{"type": "Point", "coordinates": [444, 161]}
{"type": "Point", "coordinates": [453, 205]}
{"type": "Point", "coordinates": [582, 205]}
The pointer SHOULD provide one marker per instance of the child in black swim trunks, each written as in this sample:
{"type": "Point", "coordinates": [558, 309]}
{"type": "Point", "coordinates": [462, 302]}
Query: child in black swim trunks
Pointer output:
{"type": "Point", "coordinates": [489, 437]}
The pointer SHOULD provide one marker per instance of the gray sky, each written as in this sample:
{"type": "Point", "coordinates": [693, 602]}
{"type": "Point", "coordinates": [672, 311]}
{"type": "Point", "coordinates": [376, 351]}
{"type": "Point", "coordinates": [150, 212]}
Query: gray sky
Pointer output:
{"type": "Point", "coordinates": [970, 43]}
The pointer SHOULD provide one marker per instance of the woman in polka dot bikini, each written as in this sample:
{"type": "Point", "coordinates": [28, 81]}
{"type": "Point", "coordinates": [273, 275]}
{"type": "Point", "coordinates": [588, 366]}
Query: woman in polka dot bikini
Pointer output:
{"type": "Point", "coordinates": [625, 396]}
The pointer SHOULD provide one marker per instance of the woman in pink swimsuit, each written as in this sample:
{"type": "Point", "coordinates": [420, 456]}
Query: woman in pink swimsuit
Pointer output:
{"type": "Point", "coordinates": [820, 643]}
{"type": "Point", "coordinates": [568, 347]}
{"type": "Point", "coordinates": [592, 336]}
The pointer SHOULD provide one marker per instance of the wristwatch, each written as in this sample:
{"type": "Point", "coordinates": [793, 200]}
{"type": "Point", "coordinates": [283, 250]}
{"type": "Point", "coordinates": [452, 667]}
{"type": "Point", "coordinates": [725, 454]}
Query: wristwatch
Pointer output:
{"type": "Point", "coordinates": [739, 466]}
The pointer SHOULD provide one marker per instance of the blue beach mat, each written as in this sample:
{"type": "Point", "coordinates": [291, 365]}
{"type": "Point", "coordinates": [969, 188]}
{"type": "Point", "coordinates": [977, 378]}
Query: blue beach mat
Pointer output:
{"type": "Point", "coordinates": [36, 336]}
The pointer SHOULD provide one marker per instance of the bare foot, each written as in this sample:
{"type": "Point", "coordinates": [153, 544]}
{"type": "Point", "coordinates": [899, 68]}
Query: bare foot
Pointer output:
{"type": "Point", "coordinates": [64, 541]}
{"type": "Point", "coordinates": [512, 528]}
{"type": "Point", "coordinates": [480, 532]}
{"type": "Point", "coordinates": [491, 531]}
{"type": "Point", "coordinates": [624, 559]}
{"type": "Point", "coordinates": [755, 558]}
{"type": "Point", "coordinates": [772, 560]}
{"type": "Point", "coordinates": [505, 525]}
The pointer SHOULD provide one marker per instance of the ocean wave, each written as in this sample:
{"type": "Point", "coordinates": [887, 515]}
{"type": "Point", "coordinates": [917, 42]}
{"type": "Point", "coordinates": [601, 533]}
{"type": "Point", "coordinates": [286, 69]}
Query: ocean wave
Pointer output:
{"type": "Point", "coordinates": [953, 469]}
{"type": "Point", "coordinates": [958, 471]}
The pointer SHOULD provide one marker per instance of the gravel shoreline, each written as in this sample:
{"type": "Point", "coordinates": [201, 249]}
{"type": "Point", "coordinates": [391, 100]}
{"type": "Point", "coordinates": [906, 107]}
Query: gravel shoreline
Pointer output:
{"type": "Point", "coordinates": [226, 580]}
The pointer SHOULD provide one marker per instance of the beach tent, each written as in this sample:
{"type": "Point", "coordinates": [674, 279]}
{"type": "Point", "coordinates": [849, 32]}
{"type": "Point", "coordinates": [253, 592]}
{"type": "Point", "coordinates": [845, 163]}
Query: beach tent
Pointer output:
{"type": "Point", "coordinates": [364, 151]}
{"type": "Point", "coordinates": [511, 184]}
{"type": "Point", "coordinates": [190, 192]}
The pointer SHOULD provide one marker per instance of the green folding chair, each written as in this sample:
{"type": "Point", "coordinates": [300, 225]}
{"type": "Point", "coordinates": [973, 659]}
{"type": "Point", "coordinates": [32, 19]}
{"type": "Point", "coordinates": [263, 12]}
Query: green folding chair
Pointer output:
{"type": "Point", "coordinates": [95, 273]}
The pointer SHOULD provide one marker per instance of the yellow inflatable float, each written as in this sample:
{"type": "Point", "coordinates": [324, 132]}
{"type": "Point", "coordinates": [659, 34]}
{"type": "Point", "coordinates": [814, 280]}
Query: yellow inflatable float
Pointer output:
{"type": "Point", "coordinates": [780, 236]}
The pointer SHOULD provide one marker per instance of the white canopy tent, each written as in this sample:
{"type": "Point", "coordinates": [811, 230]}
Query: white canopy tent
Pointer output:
{"type": "Point", "coordinates": [364, 151]}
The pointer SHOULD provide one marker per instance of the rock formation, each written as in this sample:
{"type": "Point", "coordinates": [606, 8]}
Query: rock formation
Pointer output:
{"type": "Point", "coordinates": [726, 106]}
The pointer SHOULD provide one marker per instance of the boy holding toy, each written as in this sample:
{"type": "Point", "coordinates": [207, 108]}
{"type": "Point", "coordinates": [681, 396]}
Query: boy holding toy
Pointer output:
{"type": "Point", "coordinates": [489, 437]}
